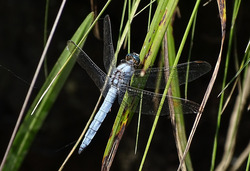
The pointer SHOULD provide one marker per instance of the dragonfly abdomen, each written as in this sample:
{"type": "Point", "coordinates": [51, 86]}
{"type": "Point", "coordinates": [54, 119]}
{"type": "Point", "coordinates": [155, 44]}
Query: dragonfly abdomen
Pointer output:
{"type": "Point", "coordinates": [99, 117]}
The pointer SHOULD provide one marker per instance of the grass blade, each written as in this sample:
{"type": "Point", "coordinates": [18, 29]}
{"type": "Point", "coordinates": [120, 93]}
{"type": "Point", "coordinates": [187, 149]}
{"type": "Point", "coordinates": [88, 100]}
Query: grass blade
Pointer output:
{"type": "Point", "coordinates": [32, 124]}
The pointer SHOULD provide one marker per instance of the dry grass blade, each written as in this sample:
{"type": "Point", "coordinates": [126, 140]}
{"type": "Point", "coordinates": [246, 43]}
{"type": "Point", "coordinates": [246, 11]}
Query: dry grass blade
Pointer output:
{"type": "Point", "coordinates": [241, 101]}
{"type": "Point", "coordinates": [96, 31]}
{"type": "Point", "coordinates": [82, 134]}
{"type": "Point", "coordinates": [241, 158]}
{"type": "Point", "coordinates": [177, 121]}
{"type": "Point", "coordinates": [202, 106]}
{"type": "Point", "coordinates": [229, 97]}
{"type": "Point", "coordinates": [21, 114]}
{"type": "Point", "coordinates": [222, 12]}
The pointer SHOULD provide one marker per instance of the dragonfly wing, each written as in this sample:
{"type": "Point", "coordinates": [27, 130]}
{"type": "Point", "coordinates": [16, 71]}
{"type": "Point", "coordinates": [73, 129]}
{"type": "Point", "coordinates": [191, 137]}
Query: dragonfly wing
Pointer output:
{"type": "Point", "coordinates": [108, 49]}
{"type": "Point", "coordinates": [121, 94]}
{"type": "Point", "coordinates": [150, 102]}
{"type": "Point", "coordinates": [95, 73]}
{"type": "Point", "coordinates": [194, 70]}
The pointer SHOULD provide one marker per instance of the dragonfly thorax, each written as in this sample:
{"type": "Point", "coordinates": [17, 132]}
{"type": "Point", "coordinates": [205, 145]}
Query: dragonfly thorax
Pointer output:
{"type": "Point", "coordinates": [122, 74]}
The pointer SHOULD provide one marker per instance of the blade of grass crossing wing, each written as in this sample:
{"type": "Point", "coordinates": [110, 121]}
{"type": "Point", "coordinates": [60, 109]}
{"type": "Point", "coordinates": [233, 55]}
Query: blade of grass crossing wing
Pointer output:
{"type": "Point", "coordinates": [138, 125]}
{"type": "Point", "coordinates": [154, 48]}
{"type": "Point", "coordinates": [190, 52]}
{"type": "Point", "coordinates": [123, 115]}
{"type": "Point", "coordinates": [117, 126]}
{"type": "Point", "coordinates": [171, 76]}
{"type": "Point", "coordinates": [177, 120]}
{"type": "Point", "coordinates": [32, 124]}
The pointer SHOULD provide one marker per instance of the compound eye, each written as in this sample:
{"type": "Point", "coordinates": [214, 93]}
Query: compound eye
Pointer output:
{"type": "Point", "coordinates": [134, 56]}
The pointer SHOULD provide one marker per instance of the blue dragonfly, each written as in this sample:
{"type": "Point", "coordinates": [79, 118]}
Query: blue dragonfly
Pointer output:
{"type": "Point", "coordinates": [118, 82]}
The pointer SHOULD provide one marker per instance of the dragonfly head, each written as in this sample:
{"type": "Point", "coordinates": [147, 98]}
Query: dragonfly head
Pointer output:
{"type": "Point", "coordinates": [134, 57]}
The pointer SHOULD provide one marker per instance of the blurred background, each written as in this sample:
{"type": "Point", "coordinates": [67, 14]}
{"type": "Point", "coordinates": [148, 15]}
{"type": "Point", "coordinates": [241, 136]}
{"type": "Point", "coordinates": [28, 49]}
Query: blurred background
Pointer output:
{"type": "Point", "coordinates": [21, 45]}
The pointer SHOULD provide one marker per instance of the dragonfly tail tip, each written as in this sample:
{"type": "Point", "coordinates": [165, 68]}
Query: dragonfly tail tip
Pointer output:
{"type": "Point", "coordinates": [80, 150]}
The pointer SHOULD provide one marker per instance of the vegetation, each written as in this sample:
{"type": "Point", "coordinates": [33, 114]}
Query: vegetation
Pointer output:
{"type": "Point", "coordinates": [170, 30]}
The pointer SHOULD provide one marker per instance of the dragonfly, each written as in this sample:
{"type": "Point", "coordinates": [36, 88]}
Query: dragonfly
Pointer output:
{"type": "Point", "coordinates": [118, 82]}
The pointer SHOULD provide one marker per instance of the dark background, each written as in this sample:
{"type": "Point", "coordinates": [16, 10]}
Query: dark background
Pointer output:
{"type": "Point", "coordinates": [21, 45]}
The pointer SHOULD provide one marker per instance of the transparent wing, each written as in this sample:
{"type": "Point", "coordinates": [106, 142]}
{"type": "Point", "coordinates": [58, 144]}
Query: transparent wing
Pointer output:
{"type": "Point", "coordinates": [196, 70]}
{"type": "Point", "coordinates": [95, 73]}
{"type": "Point", "coordinates": [151, 101]}
{"type": "Point", "coordinates": [108, 50]}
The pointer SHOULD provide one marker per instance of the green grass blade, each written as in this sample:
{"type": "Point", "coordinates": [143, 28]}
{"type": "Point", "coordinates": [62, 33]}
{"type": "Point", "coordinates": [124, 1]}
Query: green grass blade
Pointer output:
{"type": "Point", "coordinates": [236, 117]}
{"type": "Point", "coordinates": [157, 29]}
{"type": "Point", "coordinates": [177, 120]}
{"type": "Point", "coordinates": [190, 51]}
{"type": "Point", "coordinates": [232, 30]}
{"type": "Point", "coordinates": [124, 116]}
{"type": "Point", "coordinates": [126, 28]}
{"type": "Point", "coordinates": [248, 163]}
{"type": "Point", "coordinates": [172, 4]}
{"type": "Point", "coordinates": [138, 125]}
{"type": "Point", "coordinates": [32, 124]}
{"type": "Point", "coordinates": [45, 36]}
